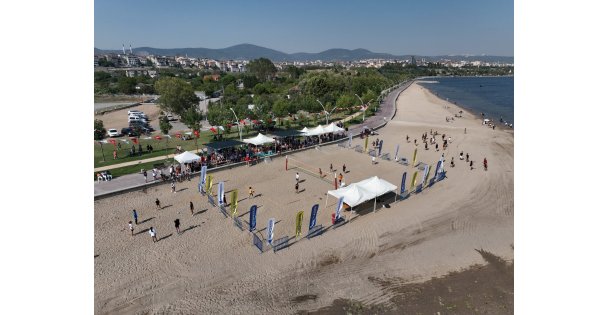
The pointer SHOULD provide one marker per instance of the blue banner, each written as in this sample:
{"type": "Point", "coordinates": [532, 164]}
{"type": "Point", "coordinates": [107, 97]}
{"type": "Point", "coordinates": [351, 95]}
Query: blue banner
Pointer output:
{"type": "Point", "coordinates": [397, 153]}
{"type": "Point", "coordinates": [380, 147]}
{"type": "Point", "coordinates": [313, 216]}
{"type": "Point", "coordinates": [425, 174]}
{"type": "Point", "coordinates": [437, 170]}
{"type": "Point", "coordinates": [203, 176]}
{"type": "Point", "coordinates": [403, 182]}
{"type": "Point", "coordinates": [270, 231]}
{"type": "Point", "coordinates": [252, 213]}
{"type": "Point", "coordinates": [339, 207]}
{"type": "Point", "coordinates": [220, 193]}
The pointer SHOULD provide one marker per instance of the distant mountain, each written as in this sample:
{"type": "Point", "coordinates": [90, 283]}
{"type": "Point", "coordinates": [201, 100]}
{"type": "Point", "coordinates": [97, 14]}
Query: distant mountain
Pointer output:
{"type": "Point", "coordinates": [249, 51]}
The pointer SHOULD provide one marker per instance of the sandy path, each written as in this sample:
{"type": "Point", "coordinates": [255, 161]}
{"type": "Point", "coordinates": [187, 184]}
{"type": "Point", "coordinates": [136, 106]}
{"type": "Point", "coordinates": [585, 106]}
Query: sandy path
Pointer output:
{"type": "Point", "coordinates": [213, 268]}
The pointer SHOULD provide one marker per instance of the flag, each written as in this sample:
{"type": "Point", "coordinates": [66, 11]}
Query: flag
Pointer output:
{"type": "Point", "coordinates": [403, 182]}
{"type": "Point", "coordinates": [197, 133]}
{"type": "Point", "coordinates": [135, 140]}
{"type": "Point", "coordinates": [313, 216]}
{"type": "Point", "coordinates": [220, 193]}
{"type": "Point", "coordinates": [112, 141]}
{"type": "Point", "coordinates": [209, 183]}
{"type": "Point", "coordinates": [424, 174]}
{"type": "Point", "coordinates": [158, 137]}
{"type": "Point", "coordinates": [365, 146]}
{"type": "Point", "coordinates": [415, 154]}
{"type": "Point", "coordinates": [213, 130]}
{"type": "Point", "coordinates": [299, 219]}
{"type": "Point", "coordinates": [339, 207]}
{"type": "Point", "coordinates": [234, 202]}
{"type": "Point", "coordinates": [179, 135]}
{"type": "Point", "coordinates": [397, 152]}
{"type": "Point", "coordinates": [414, 181]}
{"type": "Point", "coordinates": [270, 231]}
{"type": "Point", "coordinates": [201, 183]}
{"type": "Point", "coordinates": [252, 214]}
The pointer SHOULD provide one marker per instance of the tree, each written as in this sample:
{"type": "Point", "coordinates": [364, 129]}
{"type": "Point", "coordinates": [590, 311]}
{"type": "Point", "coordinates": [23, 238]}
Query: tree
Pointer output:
{"type": "Point", "coordinates": [176, 95]}
{"type": "Point", "coordinates": [127, 85]}
{"type": "Point", "coordinates": [262, 68]}
{"type": "Point", "coordinates": [100, 131]}
{"type": "Point", "coordinates": [165, 125]}
{"type": "Point", "coordinates": [346, 101]}
{"type": "Point", "coordinates": [294, 72]}
{"type": "Point", "coordinates": [192, 118]}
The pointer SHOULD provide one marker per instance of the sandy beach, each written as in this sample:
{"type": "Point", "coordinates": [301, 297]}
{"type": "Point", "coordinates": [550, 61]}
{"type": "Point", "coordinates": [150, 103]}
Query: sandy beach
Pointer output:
{"type": "Point", "coordinates": [213, 268]}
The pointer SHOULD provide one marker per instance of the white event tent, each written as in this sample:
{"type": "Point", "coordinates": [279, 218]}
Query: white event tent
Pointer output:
{"type": "Point", "coordinates": [332, 128]}
{"type": "Point", "coordinates": [259, 139]}
{"type": "Point", "coordinates": [360, 192]}
{"type": "Point", "coordinates": [187, 157]}
{"type": "Point", "coordinates": [318, 130]}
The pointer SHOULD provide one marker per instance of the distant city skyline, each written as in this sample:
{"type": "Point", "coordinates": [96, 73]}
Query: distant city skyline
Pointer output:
{"type": "Point", "coordinates": [396, 27]}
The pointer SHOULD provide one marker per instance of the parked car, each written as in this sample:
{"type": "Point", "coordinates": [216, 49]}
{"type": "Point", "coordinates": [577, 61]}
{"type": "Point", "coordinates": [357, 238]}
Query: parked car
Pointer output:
{"type": "Point", "coordinates": [142, 130]}
{"type": "Point", "coordinates": [135, 118]}
{"type": "Point", "coordinates": [113, 133]}
{"type": "Point", "coordinates": [130, 132]}
{"type": "Point", "coordinates": [134, 112]}
{"type": "Point", "coordinates": [170, 117]}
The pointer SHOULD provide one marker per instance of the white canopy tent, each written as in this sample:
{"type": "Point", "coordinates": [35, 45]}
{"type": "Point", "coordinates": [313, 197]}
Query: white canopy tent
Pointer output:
{"type": "Point", "coordinates": [362, 191]}
{"type": "Point", "coordinates": [305, 131]}
{"type": "Point", "coordinates": [187, 157]}
{"type": "Point", "coordinates": [332, 128]}
{"type": "Point", "coordinates": [259, 139]}
{"type": "Point", "coordinates": [318, 130]}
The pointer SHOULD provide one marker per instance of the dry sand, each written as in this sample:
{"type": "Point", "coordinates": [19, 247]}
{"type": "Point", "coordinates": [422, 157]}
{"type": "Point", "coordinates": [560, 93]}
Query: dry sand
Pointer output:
{"type": "Point", "coordinates": [213, 268]}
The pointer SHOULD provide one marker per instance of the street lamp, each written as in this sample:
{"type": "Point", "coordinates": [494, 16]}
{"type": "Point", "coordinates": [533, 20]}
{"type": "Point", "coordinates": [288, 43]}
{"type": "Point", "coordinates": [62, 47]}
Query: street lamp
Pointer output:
{"type": "Point", "coordinates": [364, 109]}
{"type": "Point", "coordinates": [238, 124]}
{"type": "Point", "coordinates": [326, 113]}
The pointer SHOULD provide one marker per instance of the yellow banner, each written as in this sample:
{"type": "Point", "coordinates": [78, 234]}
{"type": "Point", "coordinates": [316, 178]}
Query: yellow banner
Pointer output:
{"type": "Point", "coordinates": [209, 184]}
{"type": "Point", "coordinates": [299, 219]}
{"type": "Point", "coordinates": [414, 181]}
{"type": "Point", "coordinates": [414, 159]}
{"type": "Point", "coordinates": [426, 179]}
{"type": "Point", "coordinates": [233, 202]}
{"type": "Point", "coordinates": [365, 149]}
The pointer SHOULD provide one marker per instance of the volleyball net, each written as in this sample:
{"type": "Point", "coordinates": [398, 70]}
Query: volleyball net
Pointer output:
{"type": "Point", "coordinates": [311, 170]}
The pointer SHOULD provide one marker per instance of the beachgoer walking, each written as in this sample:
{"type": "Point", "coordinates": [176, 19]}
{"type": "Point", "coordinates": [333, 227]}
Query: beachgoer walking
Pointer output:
{"type": "Point", "coordinates": [344, 168]}
{"type": "Point", "coordinates": [153, 234]}
{"type": "Point", "coordinates": [461, 155]}
{"type": "Point", "coordinates": [131, 227]}
{"type": "Point", "coordinates": [485, 164]}
{"type": "Point", "coordinates": [320, 172]}
{"type": "Point", "coordinates": [157, 204]}
{"type": "Point", "coordinates": [173, 186]}
{"type": "Point", "coordinates": [452, 162]}
{"type": "Point", "coordinates": [146, 175]}
{"type": "Point", "coordinates": [251, 192]}
{"type": "Point", "coordinates": [135, 216]}
{"type": "Point", "coordinates": [436, 146]}
{"type": "Point", "coordinates": [467, 157]}
{"type": "Point", "coordinates": [450, 139]}
{"type": "Point", "coordinates": [177, 225]}
{"type": "Point", "coordinates": [331, 167]}
{"type": "Point", "coordinates": [471, 165]}
{"type": "Point", "coordinates": [426, 146]}
{"type": "Point", "coordinates": [407, 138]}
{"type": "Point", "coordinates": [297, 188]}
{"type": "Point", "coordinates": [340, 177]}
{"type": "Point", "coordinates": [297, 177]}
{"type": "Point", "coordinates": [224, 199]}
{"type": "Point", "coordinates": [415, 142]}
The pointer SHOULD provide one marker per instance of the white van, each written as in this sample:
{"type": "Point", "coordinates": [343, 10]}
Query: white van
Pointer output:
{"type": "Point", "coordinates": [135, 118]}
{"type": "Point", "coordinates": [132, 111]}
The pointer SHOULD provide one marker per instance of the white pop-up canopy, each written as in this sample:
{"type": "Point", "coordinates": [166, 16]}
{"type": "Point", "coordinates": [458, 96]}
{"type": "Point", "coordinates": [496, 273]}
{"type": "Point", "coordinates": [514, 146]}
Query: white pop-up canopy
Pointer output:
{"type": "Point", "coordinates": [305, 130]}
{"type": "Point", "coordinates": [187, 157]}
{"type": "Point", "coordinates": [360, 192]}
{"type": "Point", "coordinates": [332, 128]}
{"type": "Point", "coordinates": [259, 139]}
{"type": "Point", "coordinates": [318, 130]}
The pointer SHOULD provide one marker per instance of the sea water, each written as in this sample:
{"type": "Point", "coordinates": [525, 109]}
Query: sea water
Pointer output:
{"type": "Point", "coordinates": [492, 96]}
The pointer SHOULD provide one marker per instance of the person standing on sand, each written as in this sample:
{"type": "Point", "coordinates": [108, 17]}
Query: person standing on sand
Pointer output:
{"type": "Point", "coordinates": [131, 227]}
{"type": "Point", "coordinates": [485, 164]}
{"type": "Point", "coordinates": [437, 147]}
{"type": "Point", "coordinates": [191, 208]}
{"type": "Point", "coordinates": [461, 157]}
{"type": "Point", "coordinates": [415, 142]}
{"type": "Point", "coordinates": [343, 168]}
{"type": "Point", "coordinates": [153, 234]}
{"type": "Point", "coordinates": [297, 188]}
{"type": "Point", "coordinates": [452, 162]}
{"type": "Point", "coordinates": [135, 216]}
{"type": "Point", "coordinates": [157, 204]}
{"type": "Point", "coordinates": [407, 138]}
{"type": "Point", "coordinates": [177, 225]}
{"type": "Point", "coordinates": [251, 191]}
{"type": "Point", "coordinates": [145, 175]}
{"type": "Point", "coordinates": [471, 165]}
{"type": "Point", "coordinates": [467, 157]}
{"type": "Point", "coordinates": [297, 177]}
{"type": "Point", "coordinates": [331, 167]}
{"type": "Point", "coordinates": [340, 177]}
{"type": "Point", "coordinates": [320, 172]}
{"type": "Point", "coordinates": [173, 186]}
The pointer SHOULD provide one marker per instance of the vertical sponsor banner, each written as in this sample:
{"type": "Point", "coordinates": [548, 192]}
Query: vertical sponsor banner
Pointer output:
{"type": "Point", "coordinates": [299, 219]}
{"type": "Point", "coordinates": [209, 183]}
{"type": "Point", "coordinates": [380, 147]}
{"type": "Point", "coordinates": [339, 207]}
{"type": "Point", "coordinates": [365, 146]}
{"type": "Point", "coordinates": [403, 182]}
{"type": "Point", "coordinates": [397, 153]}
{"type": "Point", "coordinates": [424, 174]}
{"type": "Point", "coordinates": [415, 154]}
{"type": "Point", "coordinates": [437, 170]}
{"type": "Point", "coordinates": [252, 214]}
{"type": "Point", "coordinates": [313, 216]}
{"type": "Point", "coordinates": [201, 184]}
{"type": "Point", "coordinates": [350, 140]}
{"type": "Point", "coordinates": [234, 202]}
{"type": "Point", "coordinates": [428, 174]}
{"type": "Point", "coordinates": [270, 231]}
{"type": "Point", "coordinates": [220, 193]}
{"type": "Point", "coordinates": [414, 181]}
{"type": "Point", "coordinates": [441, 170]}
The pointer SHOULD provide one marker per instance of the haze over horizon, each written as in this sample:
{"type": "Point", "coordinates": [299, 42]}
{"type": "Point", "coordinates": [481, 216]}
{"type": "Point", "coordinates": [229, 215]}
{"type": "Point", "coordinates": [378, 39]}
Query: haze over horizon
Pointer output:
{"type": "Point", "coordinates": [395, 27]}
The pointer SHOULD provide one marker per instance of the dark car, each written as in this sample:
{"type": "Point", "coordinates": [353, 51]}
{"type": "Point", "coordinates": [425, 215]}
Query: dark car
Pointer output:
{"type": "Point", "coordinates": [129, 132]}
{"type": "Point", "coordinates": [133, 124]}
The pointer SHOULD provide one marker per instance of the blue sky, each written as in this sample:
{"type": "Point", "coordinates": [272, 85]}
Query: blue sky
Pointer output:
{"type": "Point", "coordinates": [422, 27]}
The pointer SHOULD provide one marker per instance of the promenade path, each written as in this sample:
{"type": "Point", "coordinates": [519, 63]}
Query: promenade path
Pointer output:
{"type": "Point", "coordinates": [128, 182]}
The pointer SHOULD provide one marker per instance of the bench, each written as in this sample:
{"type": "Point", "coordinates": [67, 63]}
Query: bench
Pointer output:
{"type": "Point", "coordinates": [280, 243]}
{"type": "Point", "coordinates": [315, 231]}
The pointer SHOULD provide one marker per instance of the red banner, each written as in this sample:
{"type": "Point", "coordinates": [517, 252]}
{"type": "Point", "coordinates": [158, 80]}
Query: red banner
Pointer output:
{"type": "Point", "coordinates": [213, 130]}
{"type": "Point", "coordinates": [196, 133]}
{"type": "Point", "coordinates": [135, 140]}
{"type": "Point", "coordinates": [158, 137]}
{"type": "Point", "coordinates": [179, 135]}
{"type": "Point", "coordinates": [112, 141]}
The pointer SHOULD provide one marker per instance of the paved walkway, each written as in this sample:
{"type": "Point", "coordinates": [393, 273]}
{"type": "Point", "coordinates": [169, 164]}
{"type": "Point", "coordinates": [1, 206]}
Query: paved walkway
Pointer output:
{"type": "Point", "coordinates": [137, 181]}
{"type": "Point", "coordinates": [113, 166]}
